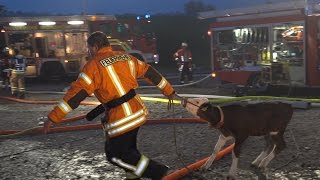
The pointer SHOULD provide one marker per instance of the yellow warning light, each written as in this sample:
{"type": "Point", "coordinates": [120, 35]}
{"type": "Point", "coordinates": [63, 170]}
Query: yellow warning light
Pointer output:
{"type": "Point", "coordinates": [213, 74]}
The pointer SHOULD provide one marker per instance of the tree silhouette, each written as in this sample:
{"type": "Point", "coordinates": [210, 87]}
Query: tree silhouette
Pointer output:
{"type": "Point", "coordinates": [194, 6]}
{"type": "Point", "coordinates": [2, 10]}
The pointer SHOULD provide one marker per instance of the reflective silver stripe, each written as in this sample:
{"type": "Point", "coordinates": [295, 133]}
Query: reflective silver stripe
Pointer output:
{"type": "Point", "coordinates": [126, 126]}
{"type": "Point", "coordinates": [118, 86]}
{"type": "Point", "coordinates": [116, 81]}
{"type": "Point", "coordinates": [127, 108]}
{"type": "Point", "coordinates": [85, 78]}
{"type": "Point", "coordinates": [64, 107]}
{"type": "Point", "coordinates": [131, 175]}
{"type": "Point", "coordinates": [131, 65]}
{"type": "Point", "coordinates": [137, 97]}
{"type": "Point", "coordinates": [162, 83]}
{"type": "Point", "coordinates": [142, 165]}
{"type": "Point", "coordinates": [125, 120]}
{"type": "Point", "coordinates": [123, 164]}
{"type": "Point", "coordinates": [17, 71]}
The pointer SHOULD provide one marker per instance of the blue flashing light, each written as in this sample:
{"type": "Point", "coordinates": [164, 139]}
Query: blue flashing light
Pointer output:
{"type": "Point", "coordinates": [147, 16]}
{"type": "Point", "coordinates": [138, 17]}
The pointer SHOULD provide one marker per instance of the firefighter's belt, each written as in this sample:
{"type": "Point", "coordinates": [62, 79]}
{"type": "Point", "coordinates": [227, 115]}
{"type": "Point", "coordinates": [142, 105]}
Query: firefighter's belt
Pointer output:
{"type": "Point", "coordinates": [109, 105]}
{"type": "Point", "coordinates": [116, 102]}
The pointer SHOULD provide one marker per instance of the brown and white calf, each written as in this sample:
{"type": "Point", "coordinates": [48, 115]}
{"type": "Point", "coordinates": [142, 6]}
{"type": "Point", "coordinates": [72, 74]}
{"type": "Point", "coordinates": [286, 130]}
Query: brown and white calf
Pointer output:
{"type": "Point", "coordinates": [238, 121]}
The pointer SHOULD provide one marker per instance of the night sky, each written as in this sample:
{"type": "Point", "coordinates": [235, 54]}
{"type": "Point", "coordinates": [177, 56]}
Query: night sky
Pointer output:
{"type": "Point", "coordinates": [115, 6]}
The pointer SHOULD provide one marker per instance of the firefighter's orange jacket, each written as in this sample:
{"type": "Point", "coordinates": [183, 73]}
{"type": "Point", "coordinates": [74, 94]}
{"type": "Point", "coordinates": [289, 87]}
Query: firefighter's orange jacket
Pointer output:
{"type": "Point", "coordinates": [110, 75]}
{"type": "Point", "coordinates": [183, 57]}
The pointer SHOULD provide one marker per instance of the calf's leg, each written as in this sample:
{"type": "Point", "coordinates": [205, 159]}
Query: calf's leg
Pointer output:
{"type": "Point", "coordinates": [221, 142]}
{"type": "Point", "coordinates": [235, 156]}
{"type": "Point", "coordinates": [278, 145]}
{"type": "Point", "coordinates": [265, 152]}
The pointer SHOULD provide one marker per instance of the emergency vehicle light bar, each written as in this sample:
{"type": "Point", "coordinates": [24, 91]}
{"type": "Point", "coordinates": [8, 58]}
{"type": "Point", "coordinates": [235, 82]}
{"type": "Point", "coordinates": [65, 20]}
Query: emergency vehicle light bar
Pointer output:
{"type": "Point", "coordinates": [47, 23]}
{"type": "Point", "coordinates": [18, 24]}
{"type": "Point", "coordinates": [75, 22]}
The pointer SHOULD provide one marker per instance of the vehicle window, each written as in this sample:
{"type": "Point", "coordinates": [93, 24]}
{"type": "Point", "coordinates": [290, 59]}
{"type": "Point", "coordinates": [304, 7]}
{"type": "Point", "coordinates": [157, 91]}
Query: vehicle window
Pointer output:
{"type": "Point", "coordinates": [49, 44]}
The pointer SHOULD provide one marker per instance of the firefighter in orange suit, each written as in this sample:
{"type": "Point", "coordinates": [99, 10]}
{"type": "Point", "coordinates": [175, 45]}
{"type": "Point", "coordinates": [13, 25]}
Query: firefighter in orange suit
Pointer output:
{"type": "Point", "coordinates": [112, 77]}
{"type": "Point", "coordinates": [17, 82]}
{"type": "Point", "coordinates": [184, 60]}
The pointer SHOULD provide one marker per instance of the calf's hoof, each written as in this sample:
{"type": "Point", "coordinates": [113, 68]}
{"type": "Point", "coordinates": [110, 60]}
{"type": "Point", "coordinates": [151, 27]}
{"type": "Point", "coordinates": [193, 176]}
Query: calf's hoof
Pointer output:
{"type": "Point", "coordinates": [262, 176]}
{"type": "Point", "coordinates": [258, 168]}
{"type": "Point", "coordinates": [230, 177]}
{"type": "Point", "coordinates": [260, 172]}
{"type": "Point", "coordinates": [263, 169]}
{"type": "Point", "coordinates": [254, 166]}
{"type": "Point", "coordinates": [203, 169]}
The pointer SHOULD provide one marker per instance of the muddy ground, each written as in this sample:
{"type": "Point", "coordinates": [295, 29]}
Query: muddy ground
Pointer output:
{"type": "Point", "coordinates": [80, 155]}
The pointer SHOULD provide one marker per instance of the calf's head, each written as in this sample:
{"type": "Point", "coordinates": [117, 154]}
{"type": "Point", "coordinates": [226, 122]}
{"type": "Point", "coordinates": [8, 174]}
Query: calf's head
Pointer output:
{"type": "Point", "coordinates": [197, 106]}
{"type": "Point", "coordinates": [200, 107]}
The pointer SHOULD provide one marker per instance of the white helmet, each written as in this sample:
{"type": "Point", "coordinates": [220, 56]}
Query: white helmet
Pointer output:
{"type": "Point", "coordinates": [184, 44]}
{"type": "Point", "coordinates": [6, 49]}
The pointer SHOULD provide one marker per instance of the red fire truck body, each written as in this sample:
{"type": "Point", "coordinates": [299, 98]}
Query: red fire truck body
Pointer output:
{"type": "Point", "coordinates": [270, 44]}
{"type": "Point", "coordinates": [134, 32]}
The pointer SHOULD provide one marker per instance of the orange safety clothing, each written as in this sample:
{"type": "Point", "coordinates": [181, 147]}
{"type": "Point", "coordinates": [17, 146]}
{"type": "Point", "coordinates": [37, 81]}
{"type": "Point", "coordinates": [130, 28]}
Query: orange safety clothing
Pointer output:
{"type": "Point", "coordinates": [110, 75]}
{"type": "Point", "coordinates": [183, 57]}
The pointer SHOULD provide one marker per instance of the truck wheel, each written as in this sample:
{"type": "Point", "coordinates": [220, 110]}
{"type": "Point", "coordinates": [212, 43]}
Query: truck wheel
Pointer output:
{"type": "Point", "coordinates": [257, 83]}
{"type": "Point", "coordinates": [52, 70]}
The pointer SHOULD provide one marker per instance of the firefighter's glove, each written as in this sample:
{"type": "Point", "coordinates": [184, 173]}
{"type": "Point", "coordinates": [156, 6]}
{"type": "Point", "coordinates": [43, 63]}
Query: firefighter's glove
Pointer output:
{"type": "Point", "coordinates": [95, 112]}
{"type": "Point", "coordinates": [170, 101]}
{"type": "Point", "coordinates": [180, 68]}
{"type": "Point", "coordinates": [41, 120]}
{"type": "Point", "coordinates": [46, 126]}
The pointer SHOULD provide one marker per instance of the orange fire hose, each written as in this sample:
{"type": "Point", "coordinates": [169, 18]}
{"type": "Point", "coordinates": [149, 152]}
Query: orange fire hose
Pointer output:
{"type": "Point", "coordinates": [39, 130]}
{"type": "Point", "coordinates": [195, 166]}
{"type": "Point", "coordinates": [44, 102]}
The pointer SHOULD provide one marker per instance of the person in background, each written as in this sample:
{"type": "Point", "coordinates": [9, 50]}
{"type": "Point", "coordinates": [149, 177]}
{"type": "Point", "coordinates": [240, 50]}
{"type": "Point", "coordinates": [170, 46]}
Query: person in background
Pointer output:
{"type": "Point", "coordinates": [17, 81]}
{"type": "Point", "coordinates": [183, 57]}
{"type": "Point", "coordinates": [4, 68]}
{"type": "Point", "coordinates": [112, 77]}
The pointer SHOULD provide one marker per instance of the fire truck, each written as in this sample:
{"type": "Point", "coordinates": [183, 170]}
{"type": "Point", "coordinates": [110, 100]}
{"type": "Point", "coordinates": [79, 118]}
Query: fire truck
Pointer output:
{"type": "Point", "coordinates": [134, 31]}
{"type": "Point", "coordinates": [269, 45]}
{"type": "Point", "coordinates": [55, 46]}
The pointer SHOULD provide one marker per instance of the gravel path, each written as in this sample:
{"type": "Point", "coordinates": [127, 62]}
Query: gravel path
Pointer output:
{"type": "Point", "coordinates": [80, 155]}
